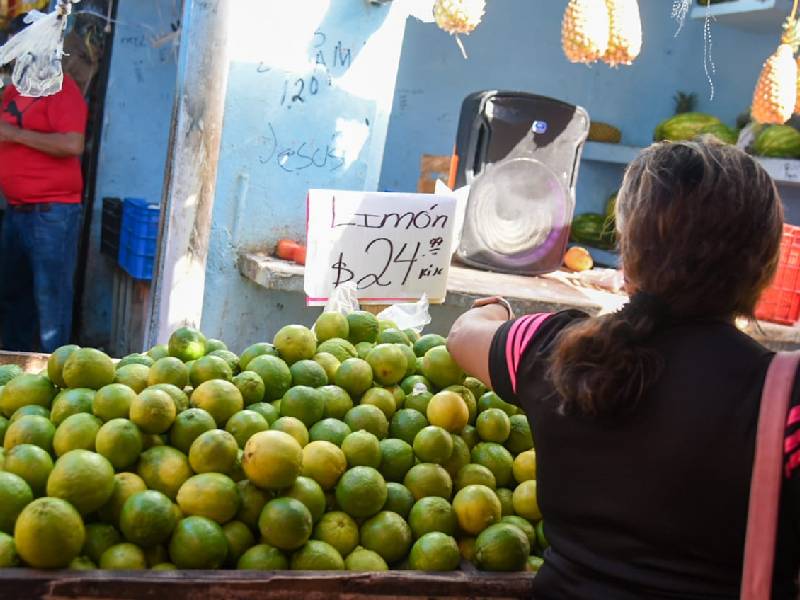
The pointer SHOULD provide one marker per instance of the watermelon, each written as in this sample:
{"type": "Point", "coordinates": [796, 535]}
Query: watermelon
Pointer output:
{"type": "Point", "coordinates": [684, 126]}
{"type": "Point", "coordinates": [778, 141]}
{"type": "Point", "coordinates": [725, 134]}
{"type": "Point", "coordinates": [594, 230]}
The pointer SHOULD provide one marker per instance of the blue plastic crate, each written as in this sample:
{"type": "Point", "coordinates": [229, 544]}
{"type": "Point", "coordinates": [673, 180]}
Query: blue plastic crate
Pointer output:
{"type": "Point", "coordinates": [138, 237]}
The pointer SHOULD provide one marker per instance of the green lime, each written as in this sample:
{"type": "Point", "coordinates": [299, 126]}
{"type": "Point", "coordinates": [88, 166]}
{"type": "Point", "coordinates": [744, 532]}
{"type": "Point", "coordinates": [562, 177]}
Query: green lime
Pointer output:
{"type": "Point", "coordinates": [15, 495]}
{"type": "Point", "coordinates": [520, 438]}
{"type": "Point", "coordinates": [169, 370]}
{"type": "Point", "coordinates": [303, 403]}
{"type": "Point", "coordinates": [251, 352]}
{"type": "Point", "coordinates": [388, 534]}
{"type": "Point", "coordinates": [252, 503]}
{"type": "Point", "coordinates": [188, 426]}
{"type": "Point", "coordinates": [285, 523]}
{"type": "Point", "coordinates": [77, 432]}
{"type": "Point", "coordinates": [207, 368]}
{"type": "Point", "coordinates": [113, 402]}
{"type": "Point", "coordinates": [382, 398]}
{"type": "Point", "coordinates": [433, 445]}
{"type": "Point", "coordinates": [329, 430]}
{"type": "Point", "coordinates": [339, 530]}
{"type": "Point", "coordinates": [426, 342]}
{"type": "Point", "coordinates": [361, 492]}
{"type": "Point", "coordinates": [49, 533]}
{"type": "Point", "coordinates": [240, 539]}
{"type": "Point", "coordinates": [331, 325]}
{"type": "Point", "coordinates": [399, 499]}
{"type": "Point", "coordinates": [26, 389]}
{"type": "Point", "coordinates": [187, 344]}
{"type": "Point", "coordinates": [502, 547]}
{"type": "Point", "coordinates": [435, 551]}
{"type": "Point", "coordinates": [263, 557]}
{"type": "Point", "coordinates": [428, 479]}
{"type": "Point", "coordinates": [164, 469]}
{"type": "Point", "coordinates": [339, 348]}
{"type": "Point", "coordinates": [211, 495]}
{"type": "Point", "coordinates": [368, 417]}
{"type": "Point", "coordinates": [295, 342]}
{"type": "Point", "coordinates": [153, 411]}
{"type": "Point", "coordinates": [362, 448]}
{"type": "Point", "coordinates": [317, 556]}
{"type": "Point", "coordinates": [309, 492]}
{"type": "Point", "coordinates": [30, 429]}
{"type": "Point", "coordinates": [337, 401]}
{"type": "Point", "coordinates": [134, 376]}
{"type": "Point", "coordinates": [397, 457]}
{"type": "Point", "coordinates": [493, 425]}
{"type": "Point", "coordinates": [88, 368]}
{"type": "Point", "coordinates": [198, 543]}
{"type": "Point", "coordinates": [251, 386]}
{"type": "Point", "coordinates": [221, 399]}
{"type": "Point", "coordinates": [275, 374]}
{"type": "Point", "coordinates": [473, 474]}
{"type": "Point", "coordinates": [244, 424]}
{"type": "Point", "coordinates": [495, 458]}
{"type": "Point", "coordinates": [32, 463]}
{"type": "Point", "coordinates": [354, 376]}
{"type": "Point", "coordinates": [213, 451]}
{"type": "Point", "coordinates": [147, 518]}
{"type": "Point", "coordinates": [293, 427]}
{"type": "Point", "coordinates": [362, 559]}
{"type": "Point", "coordinates": [8, 552]}
{"type": "Point", "coordinates": [30, 409]}
{"type": "Point", "coordinates": [269, 412]}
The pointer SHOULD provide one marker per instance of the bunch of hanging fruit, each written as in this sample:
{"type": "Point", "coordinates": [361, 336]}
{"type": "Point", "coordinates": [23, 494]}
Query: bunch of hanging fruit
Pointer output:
{"type": "Point", "coordinates": [776, 95]}
{"type": "Point", "coordinates": [606, 30]}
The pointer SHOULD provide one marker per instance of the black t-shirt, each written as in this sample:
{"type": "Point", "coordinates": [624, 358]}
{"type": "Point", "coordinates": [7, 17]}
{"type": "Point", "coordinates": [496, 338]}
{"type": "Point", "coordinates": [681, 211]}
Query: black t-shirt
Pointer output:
{"type": "Point", "coordinates": [654, 505]}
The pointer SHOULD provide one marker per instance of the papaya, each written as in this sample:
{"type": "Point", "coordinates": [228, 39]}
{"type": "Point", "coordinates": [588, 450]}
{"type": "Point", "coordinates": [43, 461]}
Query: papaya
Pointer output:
{"type": "Point", "coordinates": [778, 141]}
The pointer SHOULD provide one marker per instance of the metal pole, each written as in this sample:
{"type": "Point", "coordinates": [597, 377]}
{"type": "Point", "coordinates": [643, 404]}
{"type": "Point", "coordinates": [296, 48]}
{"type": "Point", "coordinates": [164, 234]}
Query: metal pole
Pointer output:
{"type": "Point", "coordinates": [176, 297]}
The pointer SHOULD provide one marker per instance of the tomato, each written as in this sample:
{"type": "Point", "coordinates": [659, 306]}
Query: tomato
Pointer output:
{"type": "Point", "coordinates": [286, 249]}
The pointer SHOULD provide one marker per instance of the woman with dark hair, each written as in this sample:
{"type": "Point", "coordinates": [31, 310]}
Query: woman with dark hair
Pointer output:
{"type": "Point", "coordinates": [644, 420]}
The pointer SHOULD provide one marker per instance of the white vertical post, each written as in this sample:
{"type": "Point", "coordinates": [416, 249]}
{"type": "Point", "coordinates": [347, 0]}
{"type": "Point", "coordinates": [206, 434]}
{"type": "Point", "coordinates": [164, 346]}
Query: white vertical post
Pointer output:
{"type": "Point", "coordinates": [179, 274]}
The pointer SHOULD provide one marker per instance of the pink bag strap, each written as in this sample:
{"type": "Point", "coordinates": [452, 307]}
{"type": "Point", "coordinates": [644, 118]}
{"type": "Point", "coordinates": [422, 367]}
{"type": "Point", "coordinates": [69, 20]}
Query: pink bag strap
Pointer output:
{"type": "Point", "coordinates": [765, 485]}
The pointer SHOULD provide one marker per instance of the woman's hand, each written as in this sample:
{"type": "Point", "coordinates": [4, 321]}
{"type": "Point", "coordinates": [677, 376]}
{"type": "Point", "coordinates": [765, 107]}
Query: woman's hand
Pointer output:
{"type": "Point", "coordinates": [470, 338]}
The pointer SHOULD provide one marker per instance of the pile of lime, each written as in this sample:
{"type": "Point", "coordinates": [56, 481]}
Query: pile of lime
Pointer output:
{"type": "Point", "coordinates": [350, 446]}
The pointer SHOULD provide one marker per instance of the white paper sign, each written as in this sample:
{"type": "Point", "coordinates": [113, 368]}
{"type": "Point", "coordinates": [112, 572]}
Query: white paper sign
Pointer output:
{"type": "Point", "coordinates": [393, 247]}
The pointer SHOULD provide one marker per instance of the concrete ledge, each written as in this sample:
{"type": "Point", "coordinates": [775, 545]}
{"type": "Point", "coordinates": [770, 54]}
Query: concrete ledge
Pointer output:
{"type": "Point", "coordinates": [549, 293]}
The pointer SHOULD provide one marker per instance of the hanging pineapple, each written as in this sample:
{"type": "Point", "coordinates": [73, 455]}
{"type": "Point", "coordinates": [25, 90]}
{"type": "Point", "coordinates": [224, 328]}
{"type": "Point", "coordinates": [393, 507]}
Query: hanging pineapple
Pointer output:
{"type": "Point", "coordinates": [585, 30]}
{"type": "Point", "coordinates": [458, 16]}
{"type": "Point", "coordinates": [776, 94]}
{"type": "Point", "coordinates": [625, 37]}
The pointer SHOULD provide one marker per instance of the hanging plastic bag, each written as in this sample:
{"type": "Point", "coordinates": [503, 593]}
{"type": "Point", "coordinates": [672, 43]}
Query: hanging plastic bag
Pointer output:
{"type": "Point", "coordinates": [37, 52]}
{"type": "Point", "coordinates": [344, 299]}
{"type": "Point", "coordinates": [413, 315]}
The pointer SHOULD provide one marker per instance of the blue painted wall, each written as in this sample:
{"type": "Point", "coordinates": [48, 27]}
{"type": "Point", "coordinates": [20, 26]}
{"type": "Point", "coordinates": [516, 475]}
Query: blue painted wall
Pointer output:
{"type": "Point", "coordinates": [138, 112]}
{"type": "Point", "coordinates": [518, 47]}
{"type": "Point", "coordinates": [310, 90]}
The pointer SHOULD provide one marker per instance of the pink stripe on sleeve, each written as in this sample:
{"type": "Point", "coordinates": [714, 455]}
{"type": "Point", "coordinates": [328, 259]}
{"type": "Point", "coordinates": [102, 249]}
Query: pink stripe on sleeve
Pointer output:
{"type": "Point", "coordinates": [794, 416]}
{"type": "Point", "coordinates": [519, 338]}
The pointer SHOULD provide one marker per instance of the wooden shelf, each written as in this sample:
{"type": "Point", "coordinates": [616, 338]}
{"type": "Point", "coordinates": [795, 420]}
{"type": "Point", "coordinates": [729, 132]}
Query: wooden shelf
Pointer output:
{"type": "Point", "coordinates": [759, 16]}
{"type": "Point", "coordinates": [783, 170]}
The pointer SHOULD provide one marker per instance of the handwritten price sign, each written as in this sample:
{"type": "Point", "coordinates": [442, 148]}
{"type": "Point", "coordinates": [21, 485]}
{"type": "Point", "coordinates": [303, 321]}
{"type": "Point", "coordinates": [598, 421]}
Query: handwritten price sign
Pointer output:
{"type": "Point", "coordinates": [393, 247]}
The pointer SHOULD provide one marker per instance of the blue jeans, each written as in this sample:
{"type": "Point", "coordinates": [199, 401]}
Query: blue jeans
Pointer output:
{"type": "Point", "coordinates": [38, 252]}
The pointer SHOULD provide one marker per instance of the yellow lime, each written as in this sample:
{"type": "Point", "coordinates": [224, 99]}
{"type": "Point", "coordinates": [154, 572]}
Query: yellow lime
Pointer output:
{"type": "Point", "coordinates": [476, 507]}
{"type": "Point", "coordinates": [295, 342]}
{"type": "Point", "coordinates": [164, 469]}
{"type": "Point", "coordinates": [493, 425]}
{"type": "Point", "coordinates": [362, 448]}
{"type": "Point", "coordinates": [135, 359]}
{"type": "Point", "coordinates": [340, 348]}
{"type": "Point", "coordinates": [134, 376]}
{"type": "Point", "coordinates": [77, 432]}
{"type": "Point", "coordinates": [71, 402]}
{"type": "Point", "coordinates": [473, 474]}
{"type": "Point", "coordinates": [449, 411]}
{"type": "Point", "coordinates": [213, 451]}
{"type": "Point", "coordinates": [329, 363]}
{"type": "Point", "coordinates": [32, 463]}
{"type": "Point", "coordinates": [30, 429]}
{"type": "Point", "coordinates": [24, 390]}
{"type": "Point", "coordinates": [294, 427]}
{"type": "Point", "coordinates": [49, 533]}
{"type": "Point", "coordinates": [331, 325]}
{"type": "Point", "coordinates": [324, 463]}
{"type": "Point", "coordinates": [525, 466]}
{"type": "Point", "coordinates": [83, 478]}
{"type": "Point", "coordinates": [208, 368]}
{"type": "Point", "coordinates": [113, 402]}
{"type": "Point", "coordinates": [388, 363]}
{"type": "Point", "coordinates": [272, 459]}
{"type": "Point", "coordinates": [525, 501]}
{"type": "Point", "coordinates": [362, 559]}
{"type": "Point", "coordinates": [88, 368]}
{"type": "Point", "coordinates": [382, 398]}
{"type": "Point", "coordinates": [211, 495]}
{"type": "Point", "coordinates": [153, 411]}
{"type": "Point", "coordinates": [339, 530]}
{"type": "Point", "coordinates": [123, 557]}
{"type": "Point", "coordinates": [337, 401]}
{"type": "Point", "coordinates": [221, 399]}
{"type": "Point", "coordinates": [428, 479]}
{"type": "Point", "coordinates": [169, 370]}
{"type": "Point", "coordinates": [367, 417]}
{"type": "Point", "coordinates": [55, 364]}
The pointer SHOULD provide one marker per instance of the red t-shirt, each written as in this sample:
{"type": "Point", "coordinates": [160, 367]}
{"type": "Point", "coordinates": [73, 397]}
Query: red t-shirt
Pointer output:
{"type": "Point", "coordinates": [29, 176]}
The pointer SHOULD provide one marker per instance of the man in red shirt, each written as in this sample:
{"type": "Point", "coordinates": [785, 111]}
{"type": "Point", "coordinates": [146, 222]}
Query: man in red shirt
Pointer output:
{"type": "Point", "coordinates": [41, 143]}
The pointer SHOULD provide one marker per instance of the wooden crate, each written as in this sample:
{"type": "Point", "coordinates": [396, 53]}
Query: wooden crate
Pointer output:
{"type": "Point", "coordinates": [29, 362]}
{"type": "Point", "coordinates": [24, 584]}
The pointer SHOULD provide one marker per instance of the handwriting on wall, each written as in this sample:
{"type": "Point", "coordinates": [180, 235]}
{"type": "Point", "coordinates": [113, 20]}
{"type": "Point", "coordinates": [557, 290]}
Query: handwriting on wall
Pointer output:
{"type": "Point", "coordinates": [301, 155]}
{"type": "Point", "coordinates": [391, 246]}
